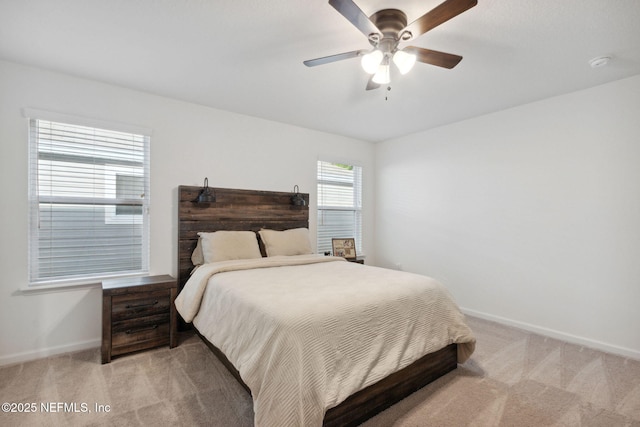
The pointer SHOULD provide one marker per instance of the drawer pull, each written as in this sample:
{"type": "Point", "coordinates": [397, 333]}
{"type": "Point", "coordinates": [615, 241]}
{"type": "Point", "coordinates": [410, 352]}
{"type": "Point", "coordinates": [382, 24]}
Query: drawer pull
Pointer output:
{"type": "Point", "coordinates": [134, 331]}
{"type": "Point", "coordinates": [142, 305]}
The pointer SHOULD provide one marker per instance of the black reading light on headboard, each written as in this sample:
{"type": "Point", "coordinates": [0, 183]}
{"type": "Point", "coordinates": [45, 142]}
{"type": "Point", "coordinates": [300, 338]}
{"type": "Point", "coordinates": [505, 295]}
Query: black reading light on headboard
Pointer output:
{"type": "Point", "coordinates": [206, 194]}
{"type": "Point", "coordinates": [297, 199]}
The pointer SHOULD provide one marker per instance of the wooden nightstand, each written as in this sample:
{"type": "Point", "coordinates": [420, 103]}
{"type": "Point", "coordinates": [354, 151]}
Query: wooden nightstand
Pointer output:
{"type": "Point", "coordinates": [138, 313]}
{"type": "Point", "coordinates": [357, 259]}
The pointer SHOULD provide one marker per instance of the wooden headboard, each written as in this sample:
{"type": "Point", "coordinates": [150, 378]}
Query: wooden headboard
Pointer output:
{"type": "Point", "coordinates": [233, 210]}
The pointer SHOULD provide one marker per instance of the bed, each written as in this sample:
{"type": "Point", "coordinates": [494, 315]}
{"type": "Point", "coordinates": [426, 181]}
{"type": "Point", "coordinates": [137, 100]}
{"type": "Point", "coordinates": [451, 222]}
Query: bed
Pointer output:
{"type": "Point", "coordinates": [316, 340]}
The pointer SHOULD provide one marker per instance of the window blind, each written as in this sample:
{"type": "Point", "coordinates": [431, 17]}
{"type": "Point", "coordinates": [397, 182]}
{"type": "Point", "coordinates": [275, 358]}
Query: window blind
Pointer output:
{"type": "Point", "coordinates": [339, 204]}
{"type": "Point", "coordinates": [89, 199]}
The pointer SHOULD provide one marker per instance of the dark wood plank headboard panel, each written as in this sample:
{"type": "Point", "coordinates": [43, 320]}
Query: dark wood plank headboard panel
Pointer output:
{"type": "Point", "coordinates": [233, 210]}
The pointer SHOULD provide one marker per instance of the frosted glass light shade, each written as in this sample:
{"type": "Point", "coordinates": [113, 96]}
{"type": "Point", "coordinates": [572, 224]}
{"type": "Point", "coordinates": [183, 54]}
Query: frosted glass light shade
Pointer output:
{"type": "Point", "coordinates": [382, 75]}
{"type": "Point", "coordinates": [404, 61]}
{"type": "Point", "coordinates": [371, 61]}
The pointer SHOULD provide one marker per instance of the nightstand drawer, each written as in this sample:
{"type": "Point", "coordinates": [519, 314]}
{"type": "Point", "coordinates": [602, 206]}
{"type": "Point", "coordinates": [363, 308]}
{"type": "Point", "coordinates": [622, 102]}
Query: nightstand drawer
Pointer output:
{"type": "Point", "coordinates": [132, 326]}
{"type": "Point", "coordinates": [146, 331]}
{"type": "Point", "coordinates": [137, 305]}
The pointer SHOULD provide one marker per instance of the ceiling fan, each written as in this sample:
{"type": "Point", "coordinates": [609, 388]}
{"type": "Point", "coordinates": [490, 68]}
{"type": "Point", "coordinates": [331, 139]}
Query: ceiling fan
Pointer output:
{"type": "Point", "coordinates": [385, 30]}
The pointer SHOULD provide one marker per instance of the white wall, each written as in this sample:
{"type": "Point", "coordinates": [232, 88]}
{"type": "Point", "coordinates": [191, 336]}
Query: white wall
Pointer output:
{"type": "Point", "coordinates": [531, 216]}
{"type": "Point", "coordinates": [189, 142]}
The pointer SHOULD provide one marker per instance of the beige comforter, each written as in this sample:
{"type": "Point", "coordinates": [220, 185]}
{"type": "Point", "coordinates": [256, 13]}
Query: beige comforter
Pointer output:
{"type": "Point", "coordinates": [305, 332]}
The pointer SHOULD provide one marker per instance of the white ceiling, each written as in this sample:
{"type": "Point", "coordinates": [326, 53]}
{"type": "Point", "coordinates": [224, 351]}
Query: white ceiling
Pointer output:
{"type": "Point", "coordinates": [246, 55]}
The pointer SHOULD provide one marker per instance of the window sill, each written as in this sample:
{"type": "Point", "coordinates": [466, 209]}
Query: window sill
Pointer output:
{"type": "Point", "coordinates": [69, 285]}
{"type": "Point", "coordinates": [62, 287]}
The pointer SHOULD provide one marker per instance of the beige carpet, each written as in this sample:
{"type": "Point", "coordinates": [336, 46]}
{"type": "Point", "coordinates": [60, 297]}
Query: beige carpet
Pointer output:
{"type": "Point", "coordinates": [514, 379]}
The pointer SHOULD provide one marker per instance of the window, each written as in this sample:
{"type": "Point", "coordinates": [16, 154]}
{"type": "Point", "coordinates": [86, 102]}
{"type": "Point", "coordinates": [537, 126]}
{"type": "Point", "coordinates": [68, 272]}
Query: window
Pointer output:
{"type": "Point", "coordinates": [89, 199]}
{"type": "Point", "coordinates": [339, 204]}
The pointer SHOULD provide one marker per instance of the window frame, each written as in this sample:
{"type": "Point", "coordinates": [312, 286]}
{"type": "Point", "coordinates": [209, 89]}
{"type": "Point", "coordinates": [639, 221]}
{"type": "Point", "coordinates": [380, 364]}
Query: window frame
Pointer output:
{"type": "Point", "coordinates": [323, 244]}
{"type": "Point", "coordinates": [37, 280]}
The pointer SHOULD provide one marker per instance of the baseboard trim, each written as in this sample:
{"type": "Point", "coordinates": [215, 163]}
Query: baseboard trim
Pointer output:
{"type": "Point", "coordinates": [552, 333]}
{"type": "Point", "coordinates": [26, 356]}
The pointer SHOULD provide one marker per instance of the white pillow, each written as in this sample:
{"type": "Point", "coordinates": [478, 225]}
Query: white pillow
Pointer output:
{"type": "Point", "coordinates": [196, 256]}
{"type": "Point", "coordinates": [289, 242]}
{"type": "Point", "coordinates": [225, 245]}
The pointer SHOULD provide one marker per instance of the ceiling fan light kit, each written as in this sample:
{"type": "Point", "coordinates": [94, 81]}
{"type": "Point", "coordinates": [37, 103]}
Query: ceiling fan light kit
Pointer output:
{"type": "Point", "coordinates": [382, 76]}
{"type": "Point", "coordinates": [385, 30]}
{"type": "Point", "coordinates": [404, 61]}
{"type": "Point", "coordinates": [371, 61]}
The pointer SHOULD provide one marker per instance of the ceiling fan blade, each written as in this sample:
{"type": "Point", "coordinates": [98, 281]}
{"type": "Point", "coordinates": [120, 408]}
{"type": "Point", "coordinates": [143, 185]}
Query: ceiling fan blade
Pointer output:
{"type": "Point", "coordinates": [352, 12]}
{"type": "Point", "coordinates": [371, 84]}
{"type": "Point", "coordinates": [333, 58]}
{"type": "Point", "coordinates": [433, 57]}
{"type": "Point", "coordinates": [436, 16]}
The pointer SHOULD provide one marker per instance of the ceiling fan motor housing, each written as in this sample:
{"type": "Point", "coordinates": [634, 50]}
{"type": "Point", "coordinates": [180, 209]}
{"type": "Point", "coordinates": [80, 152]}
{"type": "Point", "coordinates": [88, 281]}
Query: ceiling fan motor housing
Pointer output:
{"type": "Point", "coordinates": [390, 22]}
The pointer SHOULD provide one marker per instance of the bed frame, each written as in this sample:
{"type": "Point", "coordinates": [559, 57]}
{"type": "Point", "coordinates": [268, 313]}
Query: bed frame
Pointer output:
{"type": "Point", "coordinates": [253, 210]}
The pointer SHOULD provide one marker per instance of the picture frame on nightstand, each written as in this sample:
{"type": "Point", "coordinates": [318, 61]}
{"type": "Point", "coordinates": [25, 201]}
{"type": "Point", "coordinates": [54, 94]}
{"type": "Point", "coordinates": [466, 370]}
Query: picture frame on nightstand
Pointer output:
{"type": "Point", "coordinates": [344, 247]}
